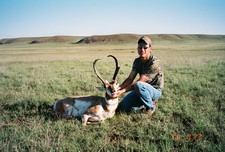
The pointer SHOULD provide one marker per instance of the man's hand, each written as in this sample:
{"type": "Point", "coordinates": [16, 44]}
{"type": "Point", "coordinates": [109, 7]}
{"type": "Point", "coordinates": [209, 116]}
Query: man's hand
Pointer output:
{"type": "Point", "coordinates": [118, 93]}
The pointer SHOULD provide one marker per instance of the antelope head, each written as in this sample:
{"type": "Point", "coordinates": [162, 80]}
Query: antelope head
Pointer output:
{"type": "Point", "coordinates": [110, 87]}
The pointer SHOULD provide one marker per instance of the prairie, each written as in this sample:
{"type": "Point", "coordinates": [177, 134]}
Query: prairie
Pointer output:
{"type": "Point", "coordinates": [190, 115]}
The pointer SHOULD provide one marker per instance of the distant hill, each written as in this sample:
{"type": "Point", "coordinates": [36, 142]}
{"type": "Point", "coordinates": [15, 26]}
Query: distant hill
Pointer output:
{"type": "Point", "coordinates": [131, 38]}
{"type": "Point", "coordinates": [116, 38]}
{"type": "Point", "coordinates": [35, 40]}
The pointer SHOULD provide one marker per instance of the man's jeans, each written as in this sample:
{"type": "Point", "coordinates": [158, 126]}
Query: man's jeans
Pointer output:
{"type": "Point", "coordinates": [142, 95]}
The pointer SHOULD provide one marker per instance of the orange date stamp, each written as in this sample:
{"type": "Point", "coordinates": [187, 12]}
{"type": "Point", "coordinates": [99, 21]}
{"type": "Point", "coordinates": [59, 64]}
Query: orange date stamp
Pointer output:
{"type": "Point", "coordinates": [189, 137]}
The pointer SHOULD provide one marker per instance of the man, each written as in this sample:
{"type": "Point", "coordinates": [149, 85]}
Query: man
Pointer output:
{"type": "Point", "coordinates": [148, 88]}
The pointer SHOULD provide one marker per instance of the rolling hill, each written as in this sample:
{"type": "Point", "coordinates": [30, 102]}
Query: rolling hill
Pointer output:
{"type": "Point", "coordinates": [116, 38]}
{"type": "Point", "coordinates": [35, 40]}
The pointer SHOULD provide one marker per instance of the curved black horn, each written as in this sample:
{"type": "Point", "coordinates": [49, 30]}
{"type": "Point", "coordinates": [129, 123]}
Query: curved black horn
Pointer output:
{"type": "Point", "coordinates": [97, 73]}
{"type": "Point", "coordinates": [117, 67]}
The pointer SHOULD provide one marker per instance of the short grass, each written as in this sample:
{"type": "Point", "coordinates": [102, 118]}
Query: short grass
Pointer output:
{"type": "Point", "coordinates": [190, 115]}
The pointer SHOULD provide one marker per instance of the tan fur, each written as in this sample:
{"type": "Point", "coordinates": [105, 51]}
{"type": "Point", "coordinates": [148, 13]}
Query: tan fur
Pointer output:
{"type": "Point", "coordinates": [93, 110]}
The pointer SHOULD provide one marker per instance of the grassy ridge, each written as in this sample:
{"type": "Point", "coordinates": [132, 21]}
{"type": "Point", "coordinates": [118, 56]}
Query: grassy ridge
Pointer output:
{"type": "Point", "coordinates": [190, 115]}
{"type": "Point", "coordinates": [109, 39]}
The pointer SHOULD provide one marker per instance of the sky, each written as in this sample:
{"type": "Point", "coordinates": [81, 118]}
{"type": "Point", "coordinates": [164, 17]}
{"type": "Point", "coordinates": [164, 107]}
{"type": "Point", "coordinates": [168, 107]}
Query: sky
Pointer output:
{"type": "Point", "coordinates": [34, 18]}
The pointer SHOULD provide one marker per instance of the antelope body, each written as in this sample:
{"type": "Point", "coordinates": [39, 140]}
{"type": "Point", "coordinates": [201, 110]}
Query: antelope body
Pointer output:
{"type": "Point", "coordinates": [91, 109]}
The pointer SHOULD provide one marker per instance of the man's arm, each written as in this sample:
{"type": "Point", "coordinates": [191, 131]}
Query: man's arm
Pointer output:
{"type": "Point", "coordinates": [128, 81]}
{"type": "Point", "coordinates": [142, 78]}
{"type": "Point", "coordinates": [128, 84]}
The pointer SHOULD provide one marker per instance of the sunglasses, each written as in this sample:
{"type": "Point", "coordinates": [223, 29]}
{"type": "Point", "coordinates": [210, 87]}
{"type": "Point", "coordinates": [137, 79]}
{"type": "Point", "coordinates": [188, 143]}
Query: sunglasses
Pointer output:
{"type": "Point", "coordinates": [145, 47]}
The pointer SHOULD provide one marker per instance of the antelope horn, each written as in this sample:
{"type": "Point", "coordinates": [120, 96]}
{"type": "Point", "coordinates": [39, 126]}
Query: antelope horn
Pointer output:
{"type": "Point", "coordinates": [97, 73]}
{"type": "Point", "coordinates": [117, 67]}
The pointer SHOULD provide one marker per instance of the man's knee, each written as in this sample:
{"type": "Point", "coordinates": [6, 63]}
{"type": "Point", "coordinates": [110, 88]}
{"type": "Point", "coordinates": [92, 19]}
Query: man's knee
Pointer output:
{"type": "Point", "coordinates": [139, 87]}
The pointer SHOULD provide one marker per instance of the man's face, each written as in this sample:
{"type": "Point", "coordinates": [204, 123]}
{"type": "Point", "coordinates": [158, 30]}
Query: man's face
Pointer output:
{"type": "Point", "coordinates": [144, 50]}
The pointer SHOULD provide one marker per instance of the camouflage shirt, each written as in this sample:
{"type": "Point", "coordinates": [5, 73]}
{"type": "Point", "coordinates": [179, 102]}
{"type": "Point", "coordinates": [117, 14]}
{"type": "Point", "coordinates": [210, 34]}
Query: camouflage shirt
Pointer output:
{"type": "Point", "coordinates": [151, 69]}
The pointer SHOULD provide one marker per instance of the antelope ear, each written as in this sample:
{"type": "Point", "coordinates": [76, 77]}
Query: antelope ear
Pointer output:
{"type": "Point", "coordinates": [101, 88]}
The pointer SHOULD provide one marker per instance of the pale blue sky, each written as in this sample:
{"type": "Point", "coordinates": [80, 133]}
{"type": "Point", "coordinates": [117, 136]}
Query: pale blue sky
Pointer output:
{"type": "Point", "coordinates": [32, 18]}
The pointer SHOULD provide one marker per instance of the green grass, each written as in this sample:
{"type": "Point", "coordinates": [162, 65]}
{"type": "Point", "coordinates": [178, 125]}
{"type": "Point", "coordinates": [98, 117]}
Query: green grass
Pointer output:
{"type": "Point", "coordinates": [190, 115]}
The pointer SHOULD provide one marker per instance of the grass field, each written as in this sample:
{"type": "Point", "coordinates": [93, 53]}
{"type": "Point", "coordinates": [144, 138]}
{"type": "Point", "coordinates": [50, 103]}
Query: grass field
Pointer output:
{"type": "Point", "coordinates": [190, 116]}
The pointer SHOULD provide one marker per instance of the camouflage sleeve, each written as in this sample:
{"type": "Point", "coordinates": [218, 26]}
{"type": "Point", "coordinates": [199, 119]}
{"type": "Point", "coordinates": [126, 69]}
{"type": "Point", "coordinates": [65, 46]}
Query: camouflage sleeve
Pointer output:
{"type": "Point", "coordinates": [161, 77]}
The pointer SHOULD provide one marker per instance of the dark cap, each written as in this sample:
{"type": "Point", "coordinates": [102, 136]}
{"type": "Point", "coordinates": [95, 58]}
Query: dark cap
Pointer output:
{"type": "Point", "coordinates": [145, 39]}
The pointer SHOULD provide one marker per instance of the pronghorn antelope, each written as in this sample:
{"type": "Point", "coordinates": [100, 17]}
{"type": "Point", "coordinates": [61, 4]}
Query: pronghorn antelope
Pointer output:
{"type": "Point", "coordinates": [91, 109]}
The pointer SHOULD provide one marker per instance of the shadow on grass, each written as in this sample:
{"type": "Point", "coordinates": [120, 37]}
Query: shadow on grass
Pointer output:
{"type": "Point", "coordinates": [28, 109]}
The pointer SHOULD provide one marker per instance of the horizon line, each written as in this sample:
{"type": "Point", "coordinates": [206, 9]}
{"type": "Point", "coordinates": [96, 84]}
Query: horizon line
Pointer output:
{"type": "Point", "coordinates": [108, 35]}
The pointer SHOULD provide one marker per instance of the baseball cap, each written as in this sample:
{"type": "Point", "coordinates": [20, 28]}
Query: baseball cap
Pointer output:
{"type": "Point", "coordinates": [146, 39]}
